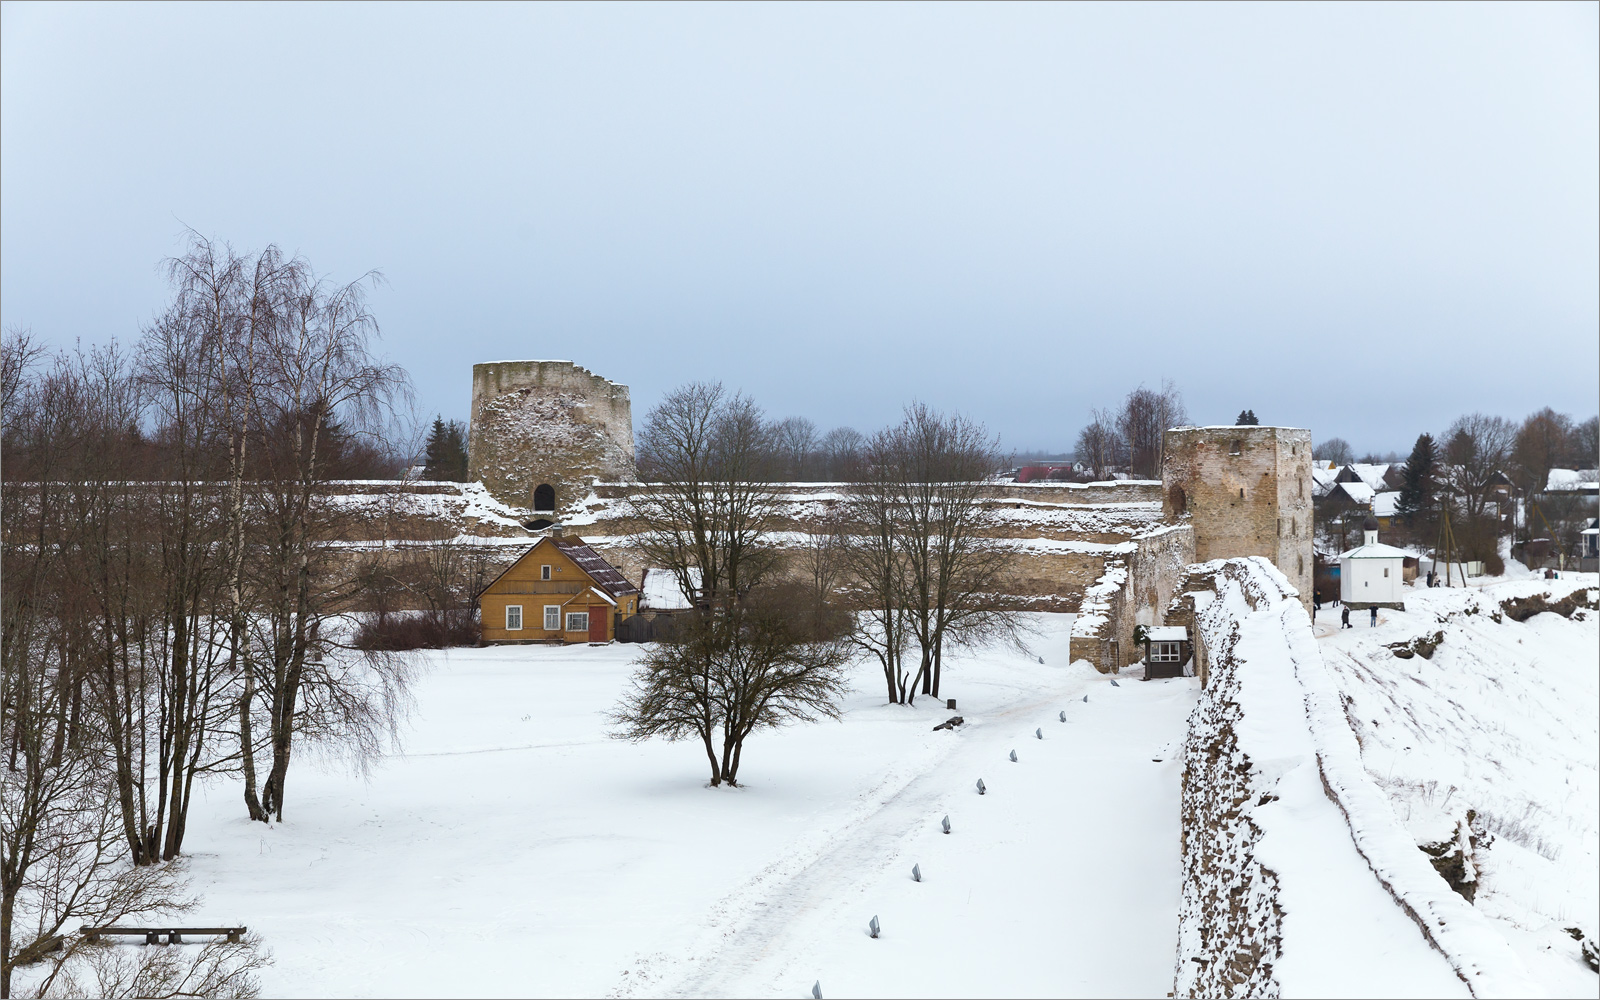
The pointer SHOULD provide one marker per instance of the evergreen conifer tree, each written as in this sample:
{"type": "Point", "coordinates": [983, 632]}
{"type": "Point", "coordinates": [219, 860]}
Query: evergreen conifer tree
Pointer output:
{"type": "Point", "coordinates": [456, 449]}
{"type": "Point", "coordinates": [1417, 484]}
{"type": "Point", "coordinates": [433, 464]}
{"type": "Point", "coordinates": [447, 452]}
{"type": "Point", "coordinates": [1247, 418]}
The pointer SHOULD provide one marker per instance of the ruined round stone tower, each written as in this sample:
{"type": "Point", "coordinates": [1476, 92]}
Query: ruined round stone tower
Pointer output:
{"type": "Point", "coordinates": [1246, 491]}
{"type": "Point", "coordinates": [543, 431]}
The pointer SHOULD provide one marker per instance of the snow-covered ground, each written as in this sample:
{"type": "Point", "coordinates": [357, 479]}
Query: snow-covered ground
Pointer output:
{"type": "Point", "coordinates": [1501, 721]}
{"type": "Point", "coordinates": [514, 849]}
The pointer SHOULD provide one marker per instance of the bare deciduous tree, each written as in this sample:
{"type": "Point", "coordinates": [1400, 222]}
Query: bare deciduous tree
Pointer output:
{"type": "Point", "coordinates": [707, 456]}
{"type": "Point", "coordinates": [1542, 442]}
{"type": "Point", "coordinates": [315, 370]}
{"type": "Point", "coordinates": [1336, 450]}
{"type": "Point", "coordinates": [794, 441]}
{"type": "Point", "coordinates": [877, 566]}
{"type": "Point", "coordinates": [921, 528]}
{"type": "Point", "coordinates": [1145, 417]}
{"type": "Point", "coordinates": [841, 454]}
{"type": "Point", "coordinates": [752, 653]}
{"type": "Point", "coordinates": [1099, 444]}
{"type": "Point", "coordinates": [760, 662]}
{"type": "Point", "coordinates": [1476, 448]}
{"type": "Point", "coordinates": [1584, 450]}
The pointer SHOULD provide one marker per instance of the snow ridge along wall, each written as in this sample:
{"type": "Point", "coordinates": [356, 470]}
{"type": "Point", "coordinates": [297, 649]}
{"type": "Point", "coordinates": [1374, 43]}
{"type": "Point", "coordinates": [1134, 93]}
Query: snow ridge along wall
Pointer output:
{"type": "Point", "coordinates": [1274, 798]}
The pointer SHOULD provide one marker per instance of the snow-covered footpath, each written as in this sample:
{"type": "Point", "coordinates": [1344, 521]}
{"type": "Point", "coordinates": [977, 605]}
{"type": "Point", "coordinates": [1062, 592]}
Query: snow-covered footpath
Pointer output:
{"type": "Point", "coordinates": [514, 849]}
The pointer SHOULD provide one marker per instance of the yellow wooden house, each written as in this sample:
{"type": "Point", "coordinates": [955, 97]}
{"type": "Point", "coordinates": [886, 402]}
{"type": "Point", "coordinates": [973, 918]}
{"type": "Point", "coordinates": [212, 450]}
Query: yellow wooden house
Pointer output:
{"type": "Point", "coordinates": [560, 590]}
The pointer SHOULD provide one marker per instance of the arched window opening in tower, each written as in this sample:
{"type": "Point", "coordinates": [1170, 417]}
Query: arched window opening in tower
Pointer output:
{"type": "Point", "coordinates": [544, 497]}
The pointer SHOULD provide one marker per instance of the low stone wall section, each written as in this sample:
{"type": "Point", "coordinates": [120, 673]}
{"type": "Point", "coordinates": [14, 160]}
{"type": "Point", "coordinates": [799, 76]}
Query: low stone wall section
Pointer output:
{"type": "Point", "coordinates": [1137, 584]}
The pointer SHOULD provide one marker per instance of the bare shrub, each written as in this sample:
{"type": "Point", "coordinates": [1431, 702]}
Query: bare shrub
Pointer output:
{"type": "Point", "coordinates": [402, 631]}
{"type": "Point", "coordinates": [219, 968]}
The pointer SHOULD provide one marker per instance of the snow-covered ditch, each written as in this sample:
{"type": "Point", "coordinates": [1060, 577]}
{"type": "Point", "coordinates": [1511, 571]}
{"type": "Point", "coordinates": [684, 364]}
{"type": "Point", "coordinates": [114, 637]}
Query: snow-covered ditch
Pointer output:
{"type": "Point", "coordinates": [514, 849]}
{"type": "Point", "coordinates": [1481, 733]}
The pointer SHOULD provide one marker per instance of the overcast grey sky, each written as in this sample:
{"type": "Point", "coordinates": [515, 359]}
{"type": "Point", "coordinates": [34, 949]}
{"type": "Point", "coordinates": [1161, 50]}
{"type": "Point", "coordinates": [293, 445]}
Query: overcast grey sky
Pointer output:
{"type": "Point", "coordinates": [1359, 219]}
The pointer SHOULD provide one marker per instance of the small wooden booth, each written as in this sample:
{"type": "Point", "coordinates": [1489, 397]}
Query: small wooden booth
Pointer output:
{"type": "Point", "coordinates": [1167, 650]}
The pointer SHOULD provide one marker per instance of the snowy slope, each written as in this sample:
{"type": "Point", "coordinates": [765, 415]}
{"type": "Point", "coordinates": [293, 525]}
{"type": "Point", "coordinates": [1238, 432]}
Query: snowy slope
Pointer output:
{"type": "Point", "coordinates": [1500, 721]}
{"type": "Point", "coordinates": [515, 850]}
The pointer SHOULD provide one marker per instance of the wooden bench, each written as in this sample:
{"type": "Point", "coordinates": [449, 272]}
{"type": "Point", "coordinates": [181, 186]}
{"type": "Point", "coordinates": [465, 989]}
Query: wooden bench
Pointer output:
{"type": "Point", "coordinates": [152, 935]}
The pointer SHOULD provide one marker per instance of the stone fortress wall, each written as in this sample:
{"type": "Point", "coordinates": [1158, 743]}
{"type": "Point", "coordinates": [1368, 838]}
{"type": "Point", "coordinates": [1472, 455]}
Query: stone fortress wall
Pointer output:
{"type": "Point", "coordinates": [1117, 553]}
{"type": "Point", "coordinates": [1227, 492]}
{"type": "Point", "coordinates": [1063, 534]}
{"type": "Point", "coordinates": [547, 423]}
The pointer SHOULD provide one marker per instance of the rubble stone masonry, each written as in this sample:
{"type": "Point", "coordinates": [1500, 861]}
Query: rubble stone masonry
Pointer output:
{"type": "Point", "coordinates": [547, 423]}
{"type": "Point", "coordinates": [1247, 491]}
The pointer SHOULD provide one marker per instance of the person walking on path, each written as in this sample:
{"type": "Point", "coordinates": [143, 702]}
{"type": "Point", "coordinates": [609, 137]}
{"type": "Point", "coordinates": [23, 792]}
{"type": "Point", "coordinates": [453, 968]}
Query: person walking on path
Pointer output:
{"type": "Point", "coordinates": [1374, 618]}
{"type": "Point", "coordinates": [1344, 618]}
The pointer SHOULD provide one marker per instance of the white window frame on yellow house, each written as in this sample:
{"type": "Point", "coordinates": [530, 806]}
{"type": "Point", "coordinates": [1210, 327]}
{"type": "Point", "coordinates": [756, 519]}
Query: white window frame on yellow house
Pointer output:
{"type": "Point", "coordinates": [577, 614]}
{"type": "Point", "coordinates": [552, 617]}
{"type": "Point", "coordinates": [518, 609]}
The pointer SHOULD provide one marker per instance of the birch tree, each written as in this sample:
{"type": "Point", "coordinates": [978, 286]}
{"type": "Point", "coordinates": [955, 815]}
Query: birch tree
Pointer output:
{"type": "Point", "coordinates": [316, 368]}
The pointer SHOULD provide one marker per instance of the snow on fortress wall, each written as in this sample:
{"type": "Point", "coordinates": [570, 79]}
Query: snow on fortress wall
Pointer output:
{"type": "Point", "coordinates": [1061, 535]}
{"type": "Point", "coordinates": [547, 423]}
{"type": "Point", "coordinates": [1230, 925]}
{"type": "Point", "coordinates": [1297, 875]}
